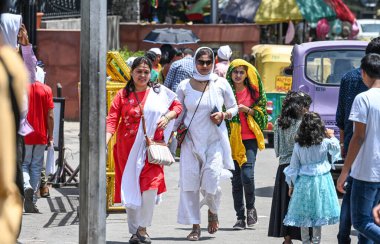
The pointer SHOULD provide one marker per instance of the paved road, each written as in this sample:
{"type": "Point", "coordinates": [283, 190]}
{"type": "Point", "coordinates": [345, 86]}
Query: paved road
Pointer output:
{"type": "Point", "coordinates": [58, 221]}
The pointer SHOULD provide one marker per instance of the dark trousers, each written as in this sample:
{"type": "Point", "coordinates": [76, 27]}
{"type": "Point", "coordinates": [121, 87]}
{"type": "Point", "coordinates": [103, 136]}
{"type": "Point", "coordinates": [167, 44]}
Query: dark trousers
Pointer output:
{"type": "Point", "coordinates": [243, 180]}
{"type": "Point", "coordinates": [19, 159]}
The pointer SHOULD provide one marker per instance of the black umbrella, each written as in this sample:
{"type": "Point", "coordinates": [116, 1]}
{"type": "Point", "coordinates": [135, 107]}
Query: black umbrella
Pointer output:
{"type": "Point", "coordinates": [171, 36]}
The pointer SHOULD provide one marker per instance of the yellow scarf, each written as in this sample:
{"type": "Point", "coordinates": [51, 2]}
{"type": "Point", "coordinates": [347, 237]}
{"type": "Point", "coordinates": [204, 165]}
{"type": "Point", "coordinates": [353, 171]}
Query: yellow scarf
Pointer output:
{"type": "Point", "coordinates": [257, 122]}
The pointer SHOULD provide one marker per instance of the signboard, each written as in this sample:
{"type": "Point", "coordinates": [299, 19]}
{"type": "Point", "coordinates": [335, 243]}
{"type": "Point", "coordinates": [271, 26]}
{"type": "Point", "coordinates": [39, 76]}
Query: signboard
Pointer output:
{"type": "Point", "coordinates": [59, 110]}
{"type": "Point", "coordinates": [283, 83]}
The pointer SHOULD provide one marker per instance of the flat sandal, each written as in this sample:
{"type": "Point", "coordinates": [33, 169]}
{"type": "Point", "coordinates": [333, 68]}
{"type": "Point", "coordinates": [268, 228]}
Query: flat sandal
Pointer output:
{"type": "Point", "coordinates": [212, 218]}
{"type": "Point", "coordinates": [194, 235]}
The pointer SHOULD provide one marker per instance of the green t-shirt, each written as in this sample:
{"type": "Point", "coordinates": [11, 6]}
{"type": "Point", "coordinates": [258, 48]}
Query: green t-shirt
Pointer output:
{"type": "Point", "coordinates": [153, 75]}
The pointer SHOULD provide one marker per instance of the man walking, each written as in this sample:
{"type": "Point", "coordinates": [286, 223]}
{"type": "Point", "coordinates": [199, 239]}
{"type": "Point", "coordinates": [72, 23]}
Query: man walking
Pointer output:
{"type": "Point", "coordinates": [41, 118]}
{"type": "Point", "coordinates": [363, 153]}
{"type": "Point", "coordinates": [180, 70]}
{"type": "Point", "coordinates": [224, 56]}
{"type": "Point", "coordinates": [350, 86]}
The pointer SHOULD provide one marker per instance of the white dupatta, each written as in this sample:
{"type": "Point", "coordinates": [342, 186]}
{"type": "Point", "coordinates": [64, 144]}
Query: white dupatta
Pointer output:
{"type": "Point", "coordinates": [156, 105]}
{"type": "Point", "coordinates": [215, 101]}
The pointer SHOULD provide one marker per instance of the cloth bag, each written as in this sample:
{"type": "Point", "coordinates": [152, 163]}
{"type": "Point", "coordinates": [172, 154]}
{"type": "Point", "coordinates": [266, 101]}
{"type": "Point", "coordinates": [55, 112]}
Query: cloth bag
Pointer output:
{"type": "Point", "coordinates": [181, 133]}
{"type": "Point", "coordinates": [50, 164]}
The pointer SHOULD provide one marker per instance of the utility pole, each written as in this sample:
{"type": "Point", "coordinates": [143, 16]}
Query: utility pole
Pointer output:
{"type": "Point", "coordinates": [93, 44]}
{"type": "Point", "coordinates": [214, 12]}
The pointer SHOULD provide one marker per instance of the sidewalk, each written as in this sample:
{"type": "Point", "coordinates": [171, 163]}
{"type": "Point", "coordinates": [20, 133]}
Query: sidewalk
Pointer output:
{"type": "Point", "coordinates": [59, 222]}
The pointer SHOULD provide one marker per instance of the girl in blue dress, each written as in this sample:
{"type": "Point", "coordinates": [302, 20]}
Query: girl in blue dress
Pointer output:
{"type": "Point", "coordinates": [314, 201]}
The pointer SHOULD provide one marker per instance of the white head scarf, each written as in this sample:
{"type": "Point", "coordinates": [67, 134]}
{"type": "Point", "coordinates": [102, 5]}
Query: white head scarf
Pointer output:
{"type": "Point", "coordinates": [156, 50]}
{"type": "Point", "coordinates": [130, 61]}
{"type": "Point", "coordinates": [40, 75]}
{"type": "Point", "coordinates": [225, 52]}
{"type": "Point", "coordinates": [199, 76]}
{"type": "Point", "coordinates": [10, 25]}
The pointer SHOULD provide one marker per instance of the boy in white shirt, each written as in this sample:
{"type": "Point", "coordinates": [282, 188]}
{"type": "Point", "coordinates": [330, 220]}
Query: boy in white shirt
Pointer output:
{"type": "Point", "coordinates": [364, 152]}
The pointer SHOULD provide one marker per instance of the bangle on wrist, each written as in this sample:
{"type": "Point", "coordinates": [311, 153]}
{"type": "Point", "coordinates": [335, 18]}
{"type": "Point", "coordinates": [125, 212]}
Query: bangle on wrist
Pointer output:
{"type": "Point", "coordinates": [166, 117]}
{"type": "Point", "coordinates": [223, 116]}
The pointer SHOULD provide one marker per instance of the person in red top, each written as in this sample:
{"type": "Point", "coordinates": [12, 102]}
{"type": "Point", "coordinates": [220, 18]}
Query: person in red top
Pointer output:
{"type": "Point", "coordinates": [41, 118]}
{"type": "Point", "coordinates": [138, 183]}
{"type": "Point", "coordinates": [251, 120]}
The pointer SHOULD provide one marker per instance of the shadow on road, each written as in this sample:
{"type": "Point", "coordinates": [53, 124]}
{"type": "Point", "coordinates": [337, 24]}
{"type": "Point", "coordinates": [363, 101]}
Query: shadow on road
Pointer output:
{"type": "Point", "coordinates": [64, 211]}
{"type": "Point", "coordinates": [264, 191]}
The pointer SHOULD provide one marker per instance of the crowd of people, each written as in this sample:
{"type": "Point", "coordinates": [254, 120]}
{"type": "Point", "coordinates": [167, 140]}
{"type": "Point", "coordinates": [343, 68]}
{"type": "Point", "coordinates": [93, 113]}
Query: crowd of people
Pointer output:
{"type": "Point", "coordinates": [220, 104]}
{"type": "Point", "coordinates": [227, 102]}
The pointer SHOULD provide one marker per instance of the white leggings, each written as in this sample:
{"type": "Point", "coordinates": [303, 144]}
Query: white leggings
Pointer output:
{"type": "Point", "coordinates": [316, 239]}
{"type": "Point", "coordinates": [142, 217]}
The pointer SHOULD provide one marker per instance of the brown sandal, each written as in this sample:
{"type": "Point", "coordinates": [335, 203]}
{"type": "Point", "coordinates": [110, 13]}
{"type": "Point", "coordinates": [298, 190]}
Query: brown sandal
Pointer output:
{"type": "Point", "coordinates": [213, 222]}
{"type": "Point", "coordinates": [195, 234]}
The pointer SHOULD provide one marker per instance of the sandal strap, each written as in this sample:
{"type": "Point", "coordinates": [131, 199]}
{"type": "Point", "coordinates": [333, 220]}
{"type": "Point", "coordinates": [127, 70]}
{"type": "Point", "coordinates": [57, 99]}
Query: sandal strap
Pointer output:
{"type": "Point", "coordinates": [212, 217]}
{"type": "Point", "coordinates": [194, 234]}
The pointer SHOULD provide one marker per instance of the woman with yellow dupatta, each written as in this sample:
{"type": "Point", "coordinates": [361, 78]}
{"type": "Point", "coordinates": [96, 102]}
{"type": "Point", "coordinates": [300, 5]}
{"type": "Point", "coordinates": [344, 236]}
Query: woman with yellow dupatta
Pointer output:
{"type": "Point", "coordinates": [246, 136]}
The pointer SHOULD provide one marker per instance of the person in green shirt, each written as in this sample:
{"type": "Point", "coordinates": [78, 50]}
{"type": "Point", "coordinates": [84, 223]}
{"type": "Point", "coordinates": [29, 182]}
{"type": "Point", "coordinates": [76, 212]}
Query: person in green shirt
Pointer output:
{"type": "Point", "coordinates": [153, 74]}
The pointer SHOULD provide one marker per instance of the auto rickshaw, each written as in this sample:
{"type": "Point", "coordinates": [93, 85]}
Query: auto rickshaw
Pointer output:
{"type": "Point", "coordinates": [271, 61]}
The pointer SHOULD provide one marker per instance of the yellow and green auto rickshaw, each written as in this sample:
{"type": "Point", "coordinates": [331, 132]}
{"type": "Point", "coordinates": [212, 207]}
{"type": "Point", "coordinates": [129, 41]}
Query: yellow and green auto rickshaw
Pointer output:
{"type": "Point", "coordinates": [271, 61]}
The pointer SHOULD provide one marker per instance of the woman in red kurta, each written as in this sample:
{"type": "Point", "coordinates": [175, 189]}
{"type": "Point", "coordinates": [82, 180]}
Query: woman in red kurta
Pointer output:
{"type": "Point", "coordinates": [160, 106]}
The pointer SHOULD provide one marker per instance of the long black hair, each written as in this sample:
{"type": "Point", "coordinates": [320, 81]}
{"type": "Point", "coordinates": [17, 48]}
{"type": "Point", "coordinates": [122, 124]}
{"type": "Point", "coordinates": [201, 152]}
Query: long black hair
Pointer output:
{"type": "Point", "coordinates": [254, 94]}
{"type": "Point", "coordinates": [311, 131]}
{"type": "Point", "coordinates": [130, 87]}
{"type": "Point", "coordinates": [292, 108]}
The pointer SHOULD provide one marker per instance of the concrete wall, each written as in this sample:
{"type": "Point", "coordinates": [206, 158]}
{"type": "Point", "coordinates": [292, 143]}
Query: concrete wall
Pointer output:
{"type": "Point", "coordinates": [246, 35]}
{"type": "Point", "coordinates": [60, 51]}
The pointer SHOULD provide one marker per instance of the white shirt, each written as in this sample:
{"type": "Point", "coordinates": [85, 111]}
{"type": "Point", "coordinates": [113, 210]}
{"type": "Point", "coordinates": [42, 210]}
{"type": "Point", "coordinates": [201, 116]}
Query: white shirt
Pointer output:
{"type": "Point", "coordinates": [366, 110]}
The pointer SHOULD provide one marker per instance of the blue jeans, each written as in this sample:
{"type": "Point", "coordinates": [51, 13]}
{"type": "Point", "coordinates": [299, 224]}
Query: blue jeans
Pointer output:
{"type": "Point", "coordinates": [243, 179]}
{"type": "Point", "coordinates": [345, 216]}
{"type": "Point", "coordinates": [364, 196]}
{"type": "Point", "coordinates": [32, 166]}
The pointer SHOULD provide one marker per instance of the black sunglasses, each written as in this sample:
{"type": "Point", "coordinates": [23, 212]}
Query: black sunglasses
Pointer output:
{"type": "Point", "coordinates": [204, 62]}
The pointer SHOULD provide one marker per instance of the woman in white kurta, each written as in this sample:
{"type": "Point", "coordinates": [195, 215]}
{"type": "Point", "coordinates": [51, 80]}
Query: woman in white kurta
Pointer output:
{"type": "Point", "coordinates": [205, 151]}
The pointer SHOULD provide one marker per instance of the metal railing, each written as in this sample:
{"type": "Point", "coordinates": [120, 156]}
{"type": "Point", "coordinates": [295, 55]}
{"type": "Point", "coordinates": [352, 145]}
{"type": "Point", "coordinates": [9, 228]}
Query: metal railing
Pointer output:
{"type": "Point", "coordinates": [55, 9]}
{"type": "Point", "coordinates": [59, 8]}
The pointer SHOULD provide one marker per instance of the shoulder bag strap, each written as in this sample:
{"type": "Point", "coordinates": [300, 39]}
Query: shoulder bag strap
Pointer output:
{"type": "Point", "coordinates": [142, 118]}
{"type": "Point", "coordinates": [197, 106]}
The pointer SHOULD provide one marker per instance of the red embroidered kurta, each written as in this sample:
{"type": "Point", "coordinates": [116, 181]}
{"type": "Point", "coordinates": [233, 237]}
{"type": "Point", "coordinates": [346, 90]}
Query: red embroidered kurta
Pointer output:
{"type": "Point", "coordinates": [127, 111]}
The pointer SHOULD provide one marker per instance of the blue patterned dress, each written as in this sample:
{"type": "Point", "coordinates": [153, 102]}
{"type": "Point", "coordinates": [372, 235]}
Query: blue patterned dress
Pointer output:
{"type": "Point", "coordinates": [314, 201]}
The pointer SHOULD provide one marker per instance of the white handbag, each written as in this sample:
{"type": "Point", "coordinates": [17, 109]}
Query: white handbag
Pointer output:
{"type": "Point", "coordinates": [159, 152]}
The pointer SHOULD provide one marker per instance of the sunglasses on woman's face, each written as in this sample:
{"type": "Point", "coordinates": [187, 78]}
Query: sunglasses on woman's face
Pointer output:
{"type": "Point", "coordinates": [204, 62]}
